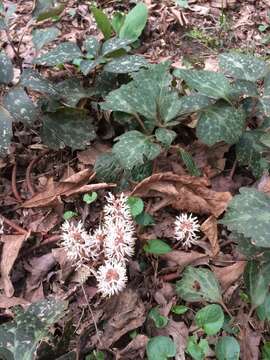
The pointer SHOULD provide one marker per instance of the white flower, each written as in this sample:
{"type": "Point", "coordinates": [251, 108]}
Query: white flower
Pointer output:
{"type": "Point", "coordinates": [74, 237]}
{"type": "Point", "coordinates": [117, 207]}
{"type": "Point", "coordinates": [186, 228]}
{"type": "Point", "coordinates": [95, 243]}
{"type": "Point", "coordinates": [111, 278]}
{"type": "Point", "coordinates": [1, 226]}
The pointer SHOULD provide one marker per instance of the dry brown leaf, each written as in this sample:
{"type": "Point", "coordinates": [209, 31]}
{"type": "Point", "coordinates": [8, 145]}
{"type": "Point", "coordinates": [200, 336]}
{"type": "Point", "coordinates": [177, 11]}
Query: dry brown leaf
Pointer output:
{"type": "Point", "coordinates": [89, 156]}
{"type": "Point", "coordinates": [76, 183]}
{"type": "Point", "coordinates": [11, 248]}
{"type": "Point", "coordinates": [65, 265]}
{"type": "Point", "coordinates": [230, 274]}
{"type": "Point", "coordinates": [223, 4]}
{"type": "Point", "coordinates": [185, 192]}
{"type": "Point", "coordinates": [250, 341]}
{"type": "Point", "coordinates": [126, 312]}
{"type": "Point", "coordinates": [183, 258]}
{"type": "Point", "coordinates": [209, 228]}
{"type": "Point", "coordinates": [135, 350]}
{"type": "Point", "coordinates": [7, 302]}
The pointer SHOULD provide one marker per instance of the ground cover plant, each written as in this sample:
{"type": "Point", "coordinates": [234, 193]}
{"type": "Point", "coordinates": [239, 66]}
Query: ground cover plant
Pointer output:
{"type": "Point", "coordinates": [134, 188]}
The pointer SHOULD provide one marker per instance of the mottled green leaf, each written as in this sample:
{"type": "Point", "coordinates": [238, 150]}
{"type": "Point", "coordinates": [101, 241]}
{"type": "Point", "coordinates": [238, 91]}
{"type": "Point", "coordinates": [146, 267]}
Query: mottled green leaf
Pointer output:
{"type": "Point", "coordinates": [41, 37]}
{"type": "Point", "coordinates": [244, 87]}
{"type": "Point", "coordinates": [5, 130]}
{"type": "Point", "coordinates": [220, 122]}
{"type": "Point", "coordinates": [249, 152]}
{"type": "Point", "coordinates": [157, 247]}
{"type": "Point", "coordinates": [242, 66]}
{"type": "Point", "coordinates": [91, 45]}
{"type": "Point", "coordinates": [198, 284]}
{"type": "Point", "coordinates": [72, 91]}
{"type": "Point", "coordinates": [6, 69]}
{"type": "Point", "coordinates": [48, 12]}
{"type": "Point", "coordinates": [208, 83]}
{"type": "Point", "coordinates": [263, 310]}
{"type": "Point", "coordinates": [125, 64]}
{"type": "Point", "coordinates": [103, 22]}
{"type": "Point", "coordinates": [134, 22]}
{"type": "Point", "coordinates": [190, 163]}
{"type": "Point", "coordinates": [210, 318]}
{"type": "Point", "coordinates": [133, 148]}
{"type": "Point", "coordinates": [107, 168]}
{"type": "Point", "coordinates": [63, 53]}
{"type": "Point", "coordinates": [20, 106]}
{"type": "Point", "coordinates": [165, 136]}
{"type": "Point", "coordinates": [193, 103]}
{"type": "Point", "coordinates": [67, 127]}
{"type": "Point", "coordinates": [113, 45]}
{"type": "Point", "coordinates": [86, 66]}
{"type": "Point", "coordinates": [11, 9]}
{"type": "Point", "coordinates": [160, 348]}
{"type": "Point", "coordinates": [33, 80]}
{"type": "Point", "coordinates": [249, 214]}
{"type": "Point", "coordinates": [265, 104]}
{"type": "Point", "coordinates": [227, 348]}
{"type": "Point", "coordinates": [257, 279]}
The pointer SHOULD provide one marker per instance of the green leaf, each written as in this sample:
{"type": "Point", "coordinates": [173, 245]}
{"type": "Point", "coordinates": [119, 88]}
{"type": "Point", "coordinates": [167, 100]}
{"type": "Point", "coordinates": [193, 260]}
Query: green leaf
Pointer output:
{"type": "Point", "coordinates": [159, 320]}
{"type": "Point", "coordinates": [208, 83]}
{"type": "Point", "coordinates": [136, 205]}
{"type": "Point", "coordinates": [67, 127]}
{"type": "Point", "coordinates": [145, 219]}
{"type": "Point", "coordinates": [190, 163]}
{"type": "Point", "coordinates": [134, 23]}
{"type": "Point", "coordinates": [165, 136]}
{"type": "Point", "coordinates": [41, 37]}
{"type": "Point", "coordinates": [244, 87]}
{"type": "Point", "coordinates": [210, 319]}
{"type": "Point", "coordinates": [45, 9]}
{"type": "Point", "coordinates": [266, 351]}
{"type": "Point", "coordinates": [249, 152]}
{"type": "Point", "coordinates": [240, 216]}
{"type": "Point", "coordinates": [112, 45]}
{"type": "Point", "coordinates": [198, 284]}
{"type": "Point", "coordinates": [182, 3]}
{"type": "Point", "coordinates": [5, 130]}
{"type": "Point", "coordinates": [33, 80]}
{"type": "Point", "coordinates": [69, 215]}
{"type": "Point", "coordinates": [197, 350]}
{"type": "Point", "coordinates": [160, 348]}
{"type": "Point", "coordinates": [63, 53]}
{"type": "Point", "coordinates": [90, 198]}
{"type": "Point", "coordinates": [92, 46]}
{"type": "Point", "coordinates": [86, 66]}
{"type": "Point", "coordinates": [107, 168]}
{"type": "Point", "coordinates": [242, 66]}
{"type": "Point", "coordinates": [72, 91]}
{"type": "Point", "coordinates": [193, 103]}
{"type": "Point", "coordinates": [118, 21]}
{"type": "Point", "coordinates": [263, 310]}
{"type": "Point", "coordinates": [257, 279]}
{"type": "Point", "coordinates": [220, 122]}
{"type": "Point", "coordinates": [227, 348]}
{"type": "Point", "coordinates": [103, 22]}
{"type": "Point", "coordinates": [245, 247]}
{"type": "Point", "coordinates": [126, 64]}
{"type": "Point", "coordinates": [157, 247]}
{"type": "Point", "coordinates": [6, 69]}
{"type": "Point", "coordinates": [179, 309]}
{"type": "Point", "coordinates": [133, 148]}
{"type": "Point", "coordinates": [20, 106]}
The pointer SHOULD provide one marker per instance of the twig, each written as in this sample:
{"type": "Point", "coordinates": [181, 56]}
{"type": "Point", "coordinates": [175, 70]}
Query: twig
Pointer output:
{"type": "Point", "coordinates": [29, 170]}
{"type": "Point", "coordinates": [14, 226]}
{"type": "Point", "coordinates": [233, 170]}
{"type": "Point", "coordinates": [14, 184]}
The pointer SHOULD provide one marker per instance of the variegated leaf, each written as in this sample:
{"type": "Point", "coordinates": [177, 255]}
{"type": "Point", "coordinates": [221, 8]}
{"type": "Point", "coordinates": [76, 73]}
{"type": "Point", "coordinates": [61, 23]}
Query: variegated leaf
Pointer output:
{"type": "Point", "coordinates": [265, 99]}
{"type": "Point", "coordinates": [165, 136]}
{"type": "Point", "coordinates": [113, 45]}
{"type": "Point", "coordinates": [242, 66]}
{"type": "Point", "coordinates": [125, 64]}
{"type": "Point", "coordinates": [63, 53]}
{"type": "Point", "coordinates": [72, 91]}
{"type": "Point", "coordinates": [208, 83]}
{"type": "Point", "coordinates": [20, 106]}
{"type": "Point", "coordinates": [6, 69]}
{"type": "Point", "coordinates": [107, 168]}
{"type": "Point", "coordinates": [133, 148]}
{"type": "Point", "coordinates": [86, 66]}
{"type": "Point", "coordinates": [41, 37]}
{"type": "Point", "coordinates": [91, 45]}
{"type": "Point", "coordinates": [249, 214]}
{"type": "Point", "coordinates": [244, 87]}
{"type": "Point", "coordinates": [5, 130]}
{"type": "Point", "coordinates": [33, 80]}
{"type": "Point", "coordinates": [220, 122]}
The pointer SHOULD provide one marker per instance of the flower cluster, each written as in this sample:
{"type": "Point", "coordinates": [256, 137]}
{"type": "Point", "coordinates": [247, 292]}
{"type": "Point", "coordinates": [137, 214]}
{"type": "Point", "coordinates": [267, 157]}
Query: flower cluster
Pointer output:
{"type": "Point", "coordinates": [186, 227]}
{"type": "Point", "coordinates": [111, 243]}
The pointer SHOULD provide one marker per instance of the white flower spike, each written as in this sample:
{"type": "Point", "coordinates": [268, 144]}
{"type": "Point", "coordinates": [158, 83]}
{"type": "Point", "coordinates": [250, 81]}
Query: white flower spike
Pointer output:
{"type": "Point", "coordinates": [111, 278]}
{"type": "Point", "coordinates": [1, 226]}
{"type": "Point", "coordinates": [186, 227]}
{"type": "Point", "coordinates": [95, 243]}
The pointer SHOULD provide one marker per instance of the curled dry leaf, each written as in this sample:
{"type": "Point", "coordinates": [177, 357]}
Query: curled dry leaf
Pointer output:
{"type": "Point", "coordinates": [126, 312]}
{"type": "Point", "coordinates": [11, 248]}
{"type": "Point", "coordinates": [135, 350]}
{"type": "Point", "coordinates": [76, 183]}
{"type": "Point", "coordinates": [230, 274]}
{"type": "Point", "coordinates": [183, 258]}
{"type": "Point", "coordinates": [250, 341]}
{"type": "Point", "coordinates": [183, 192]}
{"type": "Point", "coordinates": [209, 228]}
{"type": "Point", "coordinates": [7, 302]}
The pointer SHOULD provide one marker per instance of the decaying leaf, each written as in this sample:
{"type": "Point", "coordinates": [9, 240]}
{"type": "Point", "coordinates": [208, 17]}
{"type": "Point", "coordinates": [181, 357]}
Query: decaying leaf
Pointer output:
{"type": "Point", "coordinates": [134, 350]}
{"type": "Point", "coordinates": [11, 248]}
{"type": "Point", "coordinates": [209, 228]}
{"type": "Point", "coordinates": [7, 302]}
{"type": "Point", "coordinates": [126, 313]}
{"type": "Point", "coordinates": [183, 258]}
{"type": "Point", "coordinates": [228, 275]}
{"type": "Point", "coordinates": [74, 184]}
{"type": "Point", "coordinates": [186, 193]}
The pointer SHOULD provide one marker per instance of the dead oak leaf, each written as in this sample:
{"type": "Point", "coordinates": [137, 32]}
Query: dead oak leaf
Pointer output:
{"type": "Point", "coordinates": [76, 183]}
{"type": "Point", "coordinates": [183, 192]}
{"type": "Point", "coordinates": [230, 274]}
{"type": "Point", "coordinates": [11, 248]}
{"type": "Point", "coordinates": [183, 258]}
{"type": "Point", "coordinates": [210, 229]}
